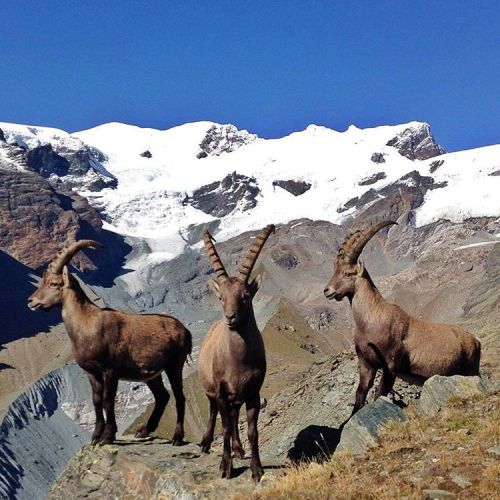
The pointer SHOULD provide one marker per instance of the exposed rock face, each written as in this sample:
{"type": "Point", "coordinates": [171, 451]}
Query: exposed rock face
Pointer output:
{"type": "Point", "coordinates": [294, 187]}
{"type": "Point", "coordinates": [224, 139]}
{"type": "Point", "coordinates": [395, 199]}
{"type": "Point", "coordinates": [222, 197]}
{"type": "Point", "coordinates": [66, 163]}
{"type": "Point", "coordinates": [372, 179]}
{"type": "Point", "coordinates": [37, 220]}
{"type": "Point", "coordinates": [2, 136]}
{"type": "Point", "coordinates": [417, 143]}
{"type": "Point", "coordinates": [146, 154]}
{"type": "Point", "coordinates": [377, 158]}
{"type": "Point", "coordinates": [435, 165]}
{"type": "Point", "coordinates": [361, 431]}
{"type": "Point", "coordinates": [438, 390]}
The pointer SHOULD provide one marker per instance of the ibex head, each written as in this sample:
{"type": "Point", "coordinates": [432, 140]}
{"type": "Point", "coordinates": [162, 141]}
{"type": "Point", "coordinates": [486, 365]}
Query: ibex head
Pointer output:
{"type": "Point", "coordinates": [236, 293]}
{"type": "Point", "coordinates": [347, 267]}
{"type": "Point", "coordinates": [56, 277]}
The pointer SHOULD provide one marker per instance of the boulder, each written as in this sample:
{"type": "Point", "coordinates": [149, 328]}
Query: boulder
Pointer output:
{"type": "Point", "coordinates": [362, 430]}
{"type": "Point", "coordinates": [438, 390]}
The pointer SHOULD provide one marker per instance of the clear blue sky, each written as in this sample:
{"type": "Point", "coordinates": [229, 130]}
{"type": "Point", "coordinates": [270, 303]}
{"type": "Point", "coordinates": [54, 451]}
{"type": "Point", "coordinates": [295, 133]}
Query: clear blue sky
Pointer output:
{"type": "Point", "coordinates": [271, 67]}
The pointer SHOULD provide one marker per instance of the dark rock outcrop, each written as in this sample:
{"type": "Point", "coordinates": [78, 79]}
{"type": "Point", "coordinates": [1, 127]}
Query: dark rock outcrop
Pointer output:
{"type": "Point", "coordinates": [294, 187]}
{"type": "Point", "coordinates": [146, 154]}
{"type": "Point", "coordinates": [435, 165]}
{"type": "Point", "coordinates": [416, 143]}
{"type": "Point", "coordinates": [377, 158]}
{"type": "Point", "coordinates": [372, 179]}
{"type": "Point", "coordinates": [406, 194]}
{"type": "Point", "coordinates": [220, 198]}
{"type": "Point", "coordinates": [2, 136]}
{"type": "Point", "coordinates": [45, 161]}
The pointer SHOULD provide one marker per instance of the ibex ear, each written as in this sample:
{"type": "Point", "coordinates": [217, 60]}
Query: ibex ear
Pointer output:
{"type": "Point", "coordinates": [215, 287]}
{"type": "Point", "coordinates": [255, 284]}
{"type": "Point", "coordinates": [360, 268]}
{"type": "Point", "coordinates": [65, 275]}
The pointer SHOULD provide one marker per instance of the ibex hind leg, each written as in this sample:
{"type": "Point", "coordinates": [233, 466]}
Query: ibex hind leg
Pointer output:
{"type": "Point", "coordinates": [161, 399]}
{"type": "Point", "coordinates": [174, 374]}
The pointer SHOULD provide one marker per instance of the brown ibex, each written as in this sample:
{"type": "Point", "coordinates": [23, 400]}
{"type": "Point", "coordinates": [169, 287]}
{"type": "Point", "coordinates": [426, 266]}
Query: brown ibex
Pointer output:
{"type": "Point", "coordinates": [387, 337]}
{"type": "Point", "coordinates": [232, 361]}
{"type": "Point", "coordinates": [112, 345]}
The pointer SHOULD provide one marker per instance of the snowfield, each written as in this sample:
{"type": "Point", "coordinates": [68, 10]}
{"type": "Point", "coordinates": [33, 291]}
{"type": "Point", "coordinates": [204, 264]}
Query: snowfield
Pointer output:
{"type": "Point", "coordinates": [157, 170]}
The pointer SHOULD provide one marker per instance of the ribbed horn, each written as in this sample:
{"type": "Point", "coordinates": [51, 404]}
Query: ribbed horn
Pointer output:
{"type": "Point", "coordinates": [253, 253]}
{"type": "Point", "coordinates": [213, 257]}
{"type": "Point", "coordinates": [62, 259]}
{"type": "Point", "coordinates": [354, 244]}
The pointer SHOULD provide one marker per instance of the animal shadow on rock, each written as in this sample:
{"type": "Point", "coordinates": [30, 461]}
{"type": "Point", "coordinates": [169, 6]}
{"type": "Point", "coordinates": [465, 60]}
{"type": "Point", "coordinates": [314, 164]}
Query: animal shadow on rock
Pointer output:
{"type": "Point", "coordinates": [315, 442]}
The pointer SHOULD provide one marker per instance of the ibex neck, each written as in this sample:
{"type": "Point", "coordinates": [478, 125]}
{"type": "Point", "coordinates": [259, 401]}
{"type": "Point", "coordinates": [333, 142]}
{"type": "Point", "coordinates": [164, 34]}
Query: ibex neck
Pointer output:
{"type": "Point", "coordinates": [248, 326]}
{"type": "Point", "coordinates": [366, 295]}
{"type": "Point", "coordinates": [76, 309]}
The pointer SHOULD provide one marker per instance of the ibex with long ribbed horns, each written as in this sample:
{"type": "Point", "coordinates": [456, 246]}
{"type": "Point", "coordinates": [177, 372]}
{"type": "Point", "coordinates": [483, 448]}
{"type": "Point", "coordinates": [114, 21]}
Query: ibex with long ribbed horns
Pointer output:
{"type": "Point", "coordinates": [112, 345]}
{"type": "Point", "coordinates": [232, 361]}
{"type": "Point", "coordinates": [387, 337]}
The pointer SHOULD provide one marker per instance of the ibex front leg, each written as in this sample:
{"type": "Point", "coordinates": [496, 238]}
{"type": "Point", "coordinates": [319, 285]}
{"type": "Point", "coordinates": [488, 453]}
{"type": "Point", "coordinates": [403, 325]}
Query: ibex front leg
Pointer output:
{"type": "Point", "coordinates": [97, 395]}
{"type": "Point", "coordinates": [226, 465]}
{"type": "Point", "coordinates": [253, 408]}
{"type": "Point", "coordinates": [110, 386]}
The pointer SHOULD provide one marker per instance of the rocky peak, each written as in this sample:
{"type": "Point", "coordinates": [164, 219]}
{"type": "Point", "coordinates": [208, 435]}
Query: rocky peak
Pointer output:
{"type": "Point", "coordinates": [223, 139]}
{"type": "Point", "coordinates": [416, 143]}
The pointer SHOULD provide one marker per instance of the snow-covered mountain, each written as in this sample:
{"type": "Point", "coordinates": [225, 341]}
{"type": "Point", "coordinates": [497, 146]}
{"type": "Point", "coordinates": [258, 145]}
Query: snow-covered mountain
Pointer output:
{"type": "Point", "coordinates": [164, 185]}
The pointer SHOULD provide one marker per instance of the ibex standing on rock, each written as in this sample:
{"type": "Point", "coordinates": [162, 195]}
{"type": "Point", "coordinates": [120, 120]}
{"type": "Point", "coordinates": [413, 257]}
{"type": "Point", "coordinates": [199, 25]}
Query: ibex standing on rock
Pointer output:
{"type": "Point", "coordinates": [112, 345]}
{"type": "Point", "coordinates": [387, 337]}
{"type": "Point", "coordinates": [232, 361]}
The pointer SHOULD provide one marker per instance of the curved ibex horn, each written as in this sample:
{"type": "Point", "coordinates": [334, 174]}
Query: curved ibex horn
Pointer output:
{"type": "Point", "coordinates": [253, 253]}
{"type": "Point", "coordinates": [213, 257]}
{"type": "Point", "coordinates": [354, 244]}
{"type": "Point", "coordinates": [56, 266]}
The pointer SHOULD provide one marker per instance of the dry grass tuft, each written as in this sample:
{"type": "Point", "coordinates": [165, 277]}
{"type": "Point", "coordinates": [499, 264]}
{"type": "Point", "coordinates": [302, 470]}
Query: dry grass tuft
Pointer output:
{"type": "Point", "coordinates": [447, 451]}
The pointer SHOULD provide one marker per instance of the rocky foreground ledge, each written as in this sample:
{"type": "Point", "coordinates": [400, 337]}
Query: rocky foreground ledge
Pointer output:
{"type": "Point", "coordinates": [306, 421]}
{"type": "Point", "coordinates": [133, 468]}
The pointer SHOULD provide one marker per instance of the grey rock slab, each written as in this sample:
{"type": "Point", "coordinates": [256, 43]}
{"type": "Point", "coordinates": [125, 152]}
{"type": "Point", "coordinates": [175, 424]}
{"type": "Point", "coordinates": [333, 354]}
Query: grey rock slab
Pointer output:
{"type": "Point", "coordinates": [362, 430]}
{"type": "Point", "coordinates": [438, 390]}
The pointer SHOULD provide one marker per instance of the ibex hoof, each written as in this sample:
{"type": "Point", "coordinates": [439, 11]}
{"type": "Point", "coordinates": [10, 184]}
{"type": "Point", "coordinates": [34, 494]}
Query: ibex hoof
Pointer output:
{"type": "Point", "coordinates": [257, 473]}
{"type": "Point", "coordinates": [239, 452]}
{"type": "Point", "coordinates": [177, 442]}
{"type": "Point", "coordinates": [142, 432]}
{"type": "Point", "coordinates": [226, 469]}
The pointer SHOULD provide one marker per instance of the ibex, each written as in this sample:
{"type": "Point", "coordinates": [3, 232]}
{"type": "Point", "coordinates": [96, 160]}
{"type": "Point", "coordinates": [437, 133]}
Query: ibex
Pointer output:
{"type": "Point", "coordinates": [112, 345]}
{"type": "Point", "coordinates": [387, 337]}
{"type": "Point", "coordinates": [232, 361]}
